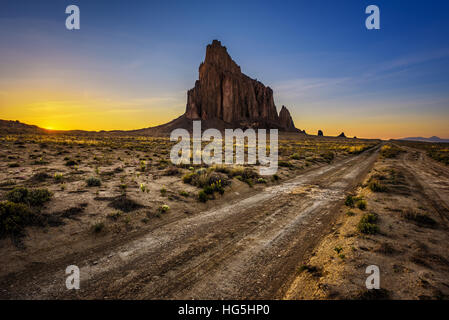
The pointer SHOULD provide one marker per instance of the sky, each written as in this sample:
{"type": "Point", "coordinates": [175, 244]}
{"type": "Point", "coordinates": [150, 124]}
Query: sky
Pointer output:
{"type": "Point", "coordinates": [132, 62]}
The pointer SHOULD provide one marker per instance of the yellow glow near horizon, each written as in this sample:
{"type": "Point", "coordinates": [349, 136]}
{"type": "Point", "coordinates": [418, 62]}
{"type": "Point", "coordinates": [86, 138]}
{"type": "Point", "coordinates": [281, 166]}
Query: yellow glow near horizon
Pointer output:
{"type": "Point", "coordinates": [66, 111]}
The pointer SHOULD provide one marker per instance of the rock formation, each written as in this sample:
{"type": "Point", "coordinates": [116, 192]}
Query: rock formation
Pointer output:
{"type": "Point", "coordinates": [320, 133]}
{"type": "Point", "coordinates": [223, 92]}
{"type": "Point", "coordinates": [285, 120]}
{"type": "Point", "coordinates": [342, 135]}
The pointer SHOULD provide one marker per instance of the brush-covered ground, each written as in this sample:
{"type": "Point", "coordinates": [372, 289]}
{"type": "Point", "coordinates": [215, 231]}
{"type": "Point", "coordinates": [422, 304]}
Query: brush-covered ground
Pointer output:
{"type": "Point", "coordinates": [398, 220]}
{"type": "Point", "coordinates": [140, 227]}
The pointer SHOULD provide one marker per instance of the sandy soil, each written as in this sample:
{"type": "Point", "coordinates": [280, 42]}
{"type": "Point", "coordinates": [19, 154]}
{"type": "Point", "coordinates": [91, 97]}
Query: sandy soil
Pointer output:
{"type": "Point", "coordinates": [412, 255]}
{"type": "Point", "coordinates": [249, 245]}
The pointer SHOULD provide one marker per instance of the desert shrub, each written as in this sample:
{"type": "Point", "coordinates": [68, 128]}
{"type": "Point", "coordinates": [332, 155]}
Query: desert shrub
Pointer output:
{"type": "Point", "coordinates": [142, 166]}
{"type": "Point", "coordinates": [18, 195]}
{"type": "Point", "coordinates": [361, 204]}
{"type": "Point", "coordinates": [237, 171]}
{"type": "Point", "coordinates": [98, 227]}
{"type": "Point", "coordinates": [40, 176]}
{"type": "Point", "coordinates": [188, 177]}
{"type": "Point", "coordinates": [357, 149]}
{"type": "Point", "coordinates": [171, 171]}
{"type": "Point", "coordinates": [313, 270]}
{"type": "Point", "coordinates": [349, 201]}
{"type": "Point", "coordinates": [245, 173]}
{"type": "Point", "coordinates": [390, 151]}
{"type": "Point", "coordinates": [164, 208]}
{"type": "Point", "coordinates": [37, 197]}
{"type": "Point", "coordinates": [222, 169]}
{"type": "Point", "coordinates": [115, 215]}
{"type": "Point", "coordinates": [34, 197]}
{"type": "Point", "coordinates": [285, 164]}
{"type": "Point", "coordinates": [202, 196]}
{"type": "Point", "coordinates": [375, 186]}
{"type": "Point", "coordinates": [184, 193]}
{"type": "Point", "coordinates": [124, 204]}
{"type": "Point", "coordinates": [208, 190]}
{"type": "Point", "coordinates": [295, 156]}
{"type": "Point", "coordinates": [14, 165]}
{"type": "Point", "coordinates": [328, 156]}
{"type": "Point", "coordinates": [163, 191]}
{"type": "Point", "coordinates": [338, 249]}
{"type": "Point", "coordinates": [261, 180]}
{"type": "Point", "coordinates": [367, 224]}
{"type": "Point", "coordinates": [93, 182]}
{"type": "Point", "coordinates": [420, 219]}
{"type": "Point", "coordinates": [275, 177]}
{"type": "Point", "coordinates": [58, 177]}
{"type": "Point", "coordinates": [70, 163]}
{"type": "Point", "coordinates": [203, 179]}
{"type": "Point", "coordinates": [14, 217]}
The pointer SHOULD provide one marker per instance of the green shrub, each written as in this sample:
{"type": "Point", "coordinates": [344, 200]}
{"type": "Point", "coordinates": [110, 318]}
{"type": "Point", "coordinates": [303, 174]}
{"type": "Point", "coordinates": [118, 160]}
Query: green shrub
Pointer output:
{"type": "Point", "coordinates": [202, 196]}
{"type": "Point", "coordinates": [164, 208]}
{"type": "Point", "coordinates": [188, 177]}
{"type": "Point", "coordinates": [14, 217]}
{"type": "Point", "coordinates": [295, 156]}
{"type": "Point", "coordinates": [18, 195]}
{"type": "Point", "coordinates": [184, 193]}
{"type": "Point", "coordinates": [208, 190]}
{"type": "Point", "coordinates": [93, 182]}
{"type": "Point", "coordinates": [349, 201]}
{"type": "Point", "coordinates": [375, 186]}
{"type": "Point", "coordinates": [37, 197]}
{"type": "Point", "coordinates": [34, 197]}
{"type": "Point", "coordinates": [361, 204]}
{"type": "Point", "coordinates": [367, 224]}
{"type": "Point", "coordinates": [286, 164]}
{"type": "Point", "coordinates": [368, 228]}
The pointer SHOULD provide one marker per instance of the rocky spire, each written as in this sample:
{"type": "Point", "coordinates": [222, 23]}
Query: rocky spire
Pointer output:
{"type": "Point", "coordinates": [224, 92]}
{"type": "Point", "coordinates": [285, 120]}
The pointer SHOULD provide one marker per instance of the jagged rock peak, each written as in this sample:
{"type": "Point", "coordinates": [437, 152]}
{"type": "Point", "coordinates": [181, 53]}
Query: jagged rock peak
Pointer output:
{"type": "Point", "coordinates": [218, 57]}
{"type": "Point", "coordinates": [223, 92]}
{"type": "Point", "coordinates": [320, 133]}
{"type": "Point", "coordinates": [286, 120]}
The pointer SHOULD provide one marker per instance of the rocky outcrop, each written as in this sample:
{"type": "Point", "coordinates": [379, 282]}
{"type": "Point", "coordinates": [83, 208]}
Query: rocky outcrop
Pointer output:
{"type": "Point", "coordinates": [342, 135]}
{"type": "Point", "coordinates": [320, 133]}
{"type": "Point", "coordinates": [223, 92]}
{"type": "Point", "coordinates": [285, 120]}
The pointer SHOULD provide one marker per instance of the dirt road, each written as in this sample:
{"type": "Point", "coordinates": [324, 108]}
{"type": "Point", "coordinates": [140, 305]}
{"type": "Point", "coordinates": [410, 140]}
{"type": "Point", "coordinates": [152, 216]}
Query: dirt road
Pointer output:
{"type": "Point", "coordinates": [247, 249]}
{"type": "Point", "coordinates": [431, 178]}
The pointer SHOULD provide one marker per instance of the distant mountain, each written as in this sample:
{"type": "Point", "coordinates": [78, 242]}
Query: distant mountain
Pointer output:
{"type": "Point", "coordinates": [422, 139]}
{"type": "Point", "coordinates": [12, 127]}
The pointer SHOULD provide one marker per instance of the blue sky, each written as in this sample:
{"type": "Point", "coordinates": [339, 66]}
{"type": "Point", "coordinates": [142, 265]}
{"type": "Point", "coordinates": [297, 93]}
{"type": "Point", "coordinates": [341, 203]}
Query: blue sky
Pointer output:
{"type": "Point", "coordinates": [133, 61]}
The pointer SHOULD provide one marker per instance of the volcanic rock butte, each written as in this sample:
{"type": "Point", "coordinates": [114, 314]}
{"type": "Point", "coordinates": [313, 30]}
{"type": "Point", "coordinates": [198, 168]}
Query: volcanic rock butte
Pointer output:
{"type": "Point", "coordinates": [224, 93]}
